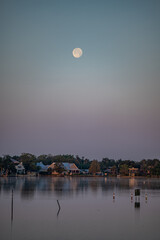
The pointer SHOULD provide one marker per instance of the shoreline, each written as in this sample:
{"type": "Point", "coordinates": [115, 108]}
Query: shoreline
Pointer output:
{"type": "Point", "coordinates": [86, 176]}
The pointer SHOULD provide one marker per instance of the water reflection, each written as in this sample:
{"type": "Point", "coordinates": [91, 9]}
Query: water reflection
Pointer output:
{"type": "Point", "coordinates": [12, 208]}
{"type": "Point", "coordinates": [59, 208]}
{"type": "Point", "coordinates": [79, 208]}
{"type": "Point", "coordinates": [60, 186]}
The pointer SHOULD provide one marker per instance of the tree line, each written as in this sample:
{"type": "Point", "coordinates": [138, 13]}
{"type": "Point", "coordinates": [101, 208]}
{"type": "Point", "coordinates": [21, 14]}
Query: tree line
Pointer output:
{"type": "Point", "coordinates": [145, 167]}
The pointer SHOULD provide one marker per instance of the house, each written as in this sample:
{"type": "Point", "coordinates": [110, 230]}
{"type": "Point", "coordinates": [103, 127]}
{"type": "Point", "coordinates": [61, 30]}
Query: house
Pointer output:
{"type": "Point", "coordinates": [43, 168]}
{"type": "Point", "coordinates": [20, 168]}
{"type": "Point", "coordinates": [84, 171]}
{"type": "Point", "coordinates": [70, 168]}
{"type": "Point", "coordinates": [133, 171]}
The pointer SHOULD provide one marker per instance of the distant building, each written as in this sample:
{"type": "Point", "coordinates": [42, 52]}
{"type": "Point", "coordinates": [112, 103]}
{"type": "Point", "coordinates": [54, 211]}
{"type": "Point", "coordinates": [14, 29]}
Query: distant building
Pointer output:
{"type": "Point", "coordinates": [70, 168]}
{"type": "Point", "coordinates": [43, 168]}
{"type": "Point", "coordinates": [133, 171]}
{"type": "Point", "coordinates": [20, 168]}
{"type": "Point", "coordinates": [84, 171]}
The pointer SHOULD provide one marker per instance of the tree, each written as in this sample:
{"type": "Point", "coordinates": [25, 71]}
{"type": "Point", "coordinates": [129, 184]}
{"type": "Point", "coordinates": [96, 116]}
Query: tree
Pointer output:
{"type": "Point", "coordinates": [95, 167]}
{"type": "Point", "coordinates": [106, 163]}
{"type": "Point", "coordinates": [114, 170]}
{"type": "Point", "coordinates": [29, 161]}
{"type": "Point", "coordinates": [7, 165]}
{"type": "Point", "coordinates": [124, 169]}
{"type": "Point", "coordinates": [1, 165]}
{"type": "Point", "coordinates": [58, 167]}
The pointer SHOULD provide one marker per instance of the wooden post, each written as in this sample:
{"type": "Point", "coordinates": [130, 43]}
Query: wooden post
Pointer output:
{"type": "Point", "coordinates": [113, 196]}
{"type": "Point", "coordinates": [146, 197]}
{"type": "Point", "coordinates": [58, 207]}
{"type": "Point", "coordinates": [12, 207]}
{"type": "Point", "coordinates": [137, 198]}
{"type": "Point", "coordinates": [131, 197]}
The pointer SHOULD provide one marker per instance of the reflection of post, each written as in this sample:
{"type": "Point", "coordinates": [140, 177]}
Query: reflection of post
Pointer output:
{"type": "Point", "coordinates": [59, 208]}
{"type": "Point", "coordinates": [137, 204]}
{"type": "Point", "coordinates": [12, 207]}
{"type": "Point", "coordinates": [146, 198]}
{"type": "Point", "coordinates": [113, 197]}
{"type": "Point", "coordinates": [137, 198]}
{"type": "Point", "coordinates": [131, 197]}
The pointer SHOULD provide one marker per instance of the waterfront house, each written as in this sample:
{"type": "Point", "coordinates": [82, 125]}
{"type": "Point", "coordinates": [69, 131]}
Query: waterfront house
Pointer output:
{"type": "Point", "coordinates": [42, 168]}
{"type": "Point", "coordinates": [20, 168]}
{"type": "Point", "coordinates": [70, 168]}
{"type": "Point", "coordinates": [133, 171]}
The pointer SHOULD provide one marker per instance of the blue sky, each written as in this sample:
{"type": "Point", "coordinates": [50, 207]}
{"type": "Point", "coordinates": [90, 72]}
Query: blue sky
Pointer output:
{"type": "Point", "coordinates": [104, 104]}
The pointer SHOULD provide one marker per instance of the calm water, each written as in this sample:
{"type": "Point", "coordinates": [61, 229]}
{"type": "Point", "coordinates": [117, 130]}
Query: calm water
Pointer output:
{"type": "Point", "coordinates": [88, 210]}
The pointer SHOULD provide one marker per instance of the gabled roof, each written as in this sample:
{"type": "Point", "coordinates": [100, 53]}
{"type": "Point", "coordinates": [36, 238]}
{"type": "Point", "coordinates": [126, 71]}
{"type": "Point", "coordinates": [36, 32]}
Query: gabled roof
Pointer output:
{"type": "Point", "coordinates": [20, 165]}
{"type": "Point", "coordinates": [73, 166]}
{"type": "Point", "coordinates": [42, 166]}
{"type": "Point", "coordinates": [14, 161]}
{"type": "Point", "coordinates": [52, 165]}
{"type": "Point", "coordinates": [70, 166]}
{"type": "Point", "coordinates": [67, 166]}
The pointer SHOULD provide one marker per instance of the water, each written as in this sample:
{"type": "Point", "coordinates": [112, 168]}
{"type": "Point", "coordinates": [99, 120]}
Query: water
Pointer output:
{"type": "Point", "coordinates": [87, 208]}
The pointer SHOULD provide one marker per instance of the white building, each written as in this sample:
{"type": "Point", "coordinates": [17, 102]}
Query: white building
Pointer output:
{"type": "Point", "coordinates": [20, 168]}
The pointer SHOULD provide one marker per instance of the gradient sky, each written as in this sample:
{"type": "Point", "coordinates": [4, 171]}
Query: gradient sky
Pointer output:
{"type": "Point", "coordinates": [104, 104]}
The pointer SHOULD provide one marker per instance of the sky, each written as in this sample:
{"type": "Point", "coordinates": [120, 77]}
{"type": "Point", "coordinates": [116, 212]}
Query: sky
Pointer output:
{"type": "Point", "coordinates": [105, 103]}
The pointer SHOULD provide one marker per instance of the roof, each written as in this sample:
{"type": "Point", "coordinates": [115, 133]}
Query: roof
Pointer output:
{"type": "Point", "coordinates": [70, 166]}
{"type": "Point", "coordinates": [67, 166]}
{"type": "Point", "coordinates": [14, 161]}
{"type": "Point", "coordinates": [135, 169]}
{"type": "Point", "coordinates": [20, 166]}
{"type": "Point", "coordinates": [42, 166]}
{"type": "Point", "coordinates": [52, 165]}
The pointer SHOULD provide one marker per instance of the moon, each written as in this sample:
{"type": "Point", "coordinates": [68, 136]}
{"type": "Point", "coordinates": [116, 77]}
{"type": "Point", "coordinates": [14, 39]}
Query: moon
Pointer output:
{"type": "Point", "coordinates": [77, 52]}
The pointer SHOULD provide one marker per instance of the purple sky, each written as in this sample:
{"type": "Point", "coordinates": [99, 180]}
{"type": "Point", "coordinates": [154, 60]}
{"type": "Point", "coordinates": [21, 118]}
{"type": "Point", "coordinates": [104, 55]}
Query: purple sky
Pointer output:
{"type": "Point", "coordinates": [104, 104]}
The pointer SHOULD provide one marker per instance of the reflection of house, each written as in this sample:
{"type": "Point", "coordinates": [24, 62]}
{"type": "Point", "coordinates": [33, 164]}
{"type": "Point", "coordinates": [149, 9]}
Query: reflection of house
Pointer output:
{"type": "Point", "coordinates": [70, 168]}
{"type": "Point", "coordinates": [133, 171]}
{"type": "Point", "coordinates": [20, 168]}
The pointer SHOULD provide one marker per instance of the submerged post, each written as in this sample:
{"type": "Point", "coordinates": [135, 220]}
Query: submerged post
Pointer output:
{"type": "Point", "coordinates": [58, 204]}
{"type": "Point", "coordinates": [113, 196]}
{"type": "Point", "coordinates": [146, 198]}
{"type": "Point", "coordinates": [59, 207]}
{"type": "Point", "coordinates": [12, 207]}
{"type": "Point", "coordinates": [137, 198]}
{"type": "Point", "coordinates": [131, 197]}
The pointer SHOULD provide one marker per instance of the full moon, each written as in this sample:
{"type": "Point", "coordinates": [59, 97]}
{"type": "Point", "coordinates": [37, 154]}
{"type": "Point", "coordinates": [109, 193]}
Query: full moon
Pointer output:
{"type": "Point", "coordinates": [77, 52]}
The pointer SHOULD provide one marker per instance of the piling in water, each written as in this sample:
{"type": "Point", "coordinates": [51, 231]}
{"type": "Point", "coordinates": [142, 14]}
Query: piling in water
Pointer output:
{"type": "Point", "coordinates": [12, 207]}
{"type": "Point", "coordinates": [113, 196]}
{"type": "Point", "coordinates": [58, 207]}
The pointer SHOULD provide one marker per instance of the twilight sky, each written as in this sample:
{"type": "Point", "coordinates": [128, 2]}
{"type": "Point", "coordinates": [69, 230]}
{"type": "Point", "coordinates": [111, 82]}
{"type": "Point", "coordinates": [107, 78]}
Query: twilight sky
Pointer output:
{"type": "Point", "coordinates": [104, 104]}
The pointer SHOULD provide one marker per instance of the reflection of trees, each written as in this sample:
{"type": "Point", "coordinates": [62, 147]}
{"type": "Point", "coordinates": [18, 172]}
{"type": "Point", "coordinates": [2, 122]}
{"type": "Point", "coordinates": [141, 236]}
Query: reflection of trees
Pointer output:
{"type": "Point", "coordinates": [28, 188]}
{"type": "Point", "coordinates": [94, 185]}
{"type": "Point", "coordinates": [59, 186]}
{"type": "Point", "coordinates": [69, 186]}
{"type": "Point", "coordinates": [8, 183]}
{"type": "Point", "coordinates": [82, 185]}
{"type": "Point", "coordinates": [107, 185]}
